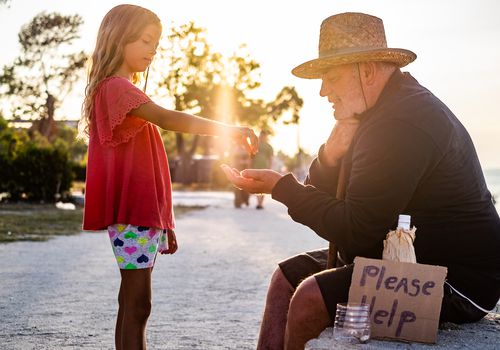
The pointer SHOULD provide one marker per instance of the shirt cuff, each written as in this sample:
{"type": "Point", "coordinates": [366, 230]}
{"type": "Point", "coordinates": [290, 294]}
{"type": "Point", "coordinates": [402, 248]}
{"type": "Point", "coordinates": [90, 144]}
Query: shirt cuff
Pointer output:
{"type": "Point", "coordinates": [284, 191]}
{"type": "Point", "coordinates": [321, 175]}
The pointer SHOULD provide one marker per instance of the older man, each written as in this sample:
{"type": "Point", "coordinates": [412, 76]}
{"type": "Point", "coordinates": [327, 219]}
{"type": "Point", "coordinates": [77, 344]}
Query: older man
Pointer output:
{"type": "Point", "coordinates": [401, 150]}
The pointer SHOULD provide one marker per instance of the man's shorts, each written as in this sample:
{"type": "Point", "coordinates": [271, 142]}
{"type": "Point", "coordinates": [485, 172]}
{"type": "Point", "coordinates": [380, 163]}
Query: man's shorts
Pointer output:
{"type": "Point", "coordinates": [334, 285]}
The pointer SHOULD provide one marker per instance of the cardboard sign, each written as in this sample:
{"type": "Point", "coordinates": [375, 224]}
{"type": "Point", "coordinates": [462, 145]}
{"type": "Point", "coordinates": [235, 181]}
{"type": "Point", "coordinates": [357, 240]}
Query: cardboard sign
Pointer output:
{"type": "Point", "coordinates": [405, 299]}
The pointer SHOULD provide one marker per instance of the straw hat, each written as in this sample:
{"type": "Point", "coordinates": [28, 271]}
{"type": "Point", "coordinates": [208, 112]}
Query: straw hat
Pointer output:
{"type": "Point", "coordinates": [350, 38]}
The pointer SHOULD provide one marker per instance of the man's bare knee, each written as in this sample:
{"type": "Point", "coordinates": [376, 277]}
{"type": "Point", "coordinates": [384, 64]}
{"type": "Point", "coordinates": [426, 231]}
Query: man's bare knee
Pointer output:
{"type": "Point", "coordinates": [278, 280]}
{"type": "Point", "coordinates": [307, 316]}
{"type": "Point", "coordinates": [280, 291]}
{"type": "Point", "coordinates": [307, 299]}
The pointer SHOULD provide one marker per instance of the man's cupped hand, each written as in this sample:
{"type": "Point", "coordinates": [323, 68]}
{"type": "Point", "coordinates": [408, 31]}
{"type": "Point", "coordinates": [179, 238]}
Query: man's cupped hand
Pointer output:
{"type": "Point", "coordinates": [252, 180]}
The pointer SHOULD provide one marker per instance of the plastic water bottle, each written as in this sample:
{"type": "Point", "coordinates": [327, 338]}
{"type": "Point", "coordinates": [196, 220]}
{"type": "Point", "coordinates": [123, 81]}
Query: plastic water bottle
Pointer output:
{"type": "Point", "coordinates": [352, 323]}
{"type": "Point", "coordinates": [404, 221]}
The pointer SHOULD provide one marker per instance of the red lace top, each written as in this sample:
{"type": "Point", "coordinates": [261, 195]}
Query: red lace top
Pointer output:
{"type": "Point", "coordinates": [128, 179]}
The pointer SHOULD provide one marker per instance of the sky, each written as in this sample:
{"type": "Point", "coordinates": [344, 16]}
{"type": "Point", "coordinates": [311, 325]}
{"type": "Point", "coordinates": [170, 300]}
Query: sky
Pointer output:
{"type": "Point", "coordinates": [457, 43]}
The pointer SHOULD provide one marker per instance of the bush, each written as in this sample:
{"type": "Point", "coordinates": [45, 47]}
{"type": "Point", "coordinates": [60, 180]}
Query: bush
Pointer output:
{"type": "Point", "coordinates": [79, 171]}
{"type": "Point", "coordinates": [41, 173]}
{"type": "Point", "coordinates": [34, 169]}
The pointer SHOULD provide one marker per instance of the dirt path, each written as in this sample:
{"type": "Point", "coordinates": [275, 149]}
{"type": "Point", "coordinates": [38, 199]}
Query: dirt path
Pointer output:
{"type": "Point", "coordinates": [61, 294]}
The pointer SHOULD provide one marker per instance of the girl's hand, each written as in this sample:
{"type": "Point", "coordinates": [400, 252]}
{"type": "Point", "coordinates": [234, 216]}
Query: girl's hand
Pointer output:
{"type": "Point", "coordinates": [246, 137]}
{"type": "Point", "coordinates": [252, 180]}
{"type": "Point", "coordinates": [171, 243]}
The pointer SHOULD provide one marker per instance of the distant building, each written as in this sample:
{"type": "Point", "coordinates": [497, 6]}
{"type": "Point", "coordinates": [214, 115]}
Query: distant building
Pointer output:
{"type": "Point", "coordinates": [26, 124]}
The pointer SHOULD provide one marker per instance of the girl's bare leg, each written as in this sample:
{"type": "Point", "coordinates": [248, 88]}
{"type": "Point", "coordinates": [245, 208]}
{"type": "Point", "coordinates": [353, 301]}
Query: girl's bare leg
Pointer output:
{"type": "Point", "coordinates": [134, 309]}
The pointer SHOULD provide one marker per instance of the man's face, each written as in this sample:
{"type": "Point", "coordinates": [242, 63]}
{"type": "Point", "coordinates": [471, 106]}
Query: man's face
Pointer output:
{"type": "Point", "coordinates": [342, 86]}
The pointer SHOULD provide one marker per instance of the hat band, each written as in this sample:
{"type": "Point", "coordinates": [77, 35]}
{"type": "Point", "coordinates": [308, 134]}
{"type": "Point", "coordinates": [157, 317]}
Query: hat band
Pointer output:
{"type": "Point", "coordinates": [349, 50]}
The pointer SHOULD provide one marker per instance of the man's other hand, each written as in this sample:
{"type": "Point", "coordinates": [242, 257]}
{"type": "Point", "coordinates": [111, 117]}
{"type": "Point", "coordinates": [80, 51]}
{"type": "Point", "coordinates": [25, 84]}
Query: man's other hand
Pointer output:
{"type": "Point", "coordinates": [339, 140]}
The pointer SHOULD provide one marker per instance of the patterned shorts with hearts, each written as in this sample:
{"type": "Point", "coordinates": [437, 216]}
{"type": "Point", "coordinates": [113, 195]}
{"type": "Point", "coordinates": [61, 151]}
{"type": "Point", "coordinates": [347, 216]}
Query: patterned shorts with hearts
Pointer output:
{"type": "Point", "coordinates": [135, 247]}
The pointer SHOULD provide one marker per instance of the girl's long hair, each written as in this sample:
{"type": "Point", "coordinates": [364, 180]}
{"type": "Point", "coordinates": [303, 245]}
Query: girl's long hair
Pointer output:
{"type": "Point", "coordinates": [122, 25]}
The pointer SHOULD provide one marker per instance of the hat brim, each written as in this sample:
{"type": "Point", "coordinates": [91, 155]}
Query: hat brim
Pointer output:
{"type": "Point", "coordinates": [314, 69]}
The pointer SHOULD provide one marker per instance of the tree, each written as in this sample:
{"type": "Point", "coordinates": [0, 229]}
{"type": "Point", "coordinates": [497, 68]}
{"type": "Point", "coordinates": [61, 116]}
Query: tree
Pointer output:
{"type": "Point", "coordinates": [46, 70]}
{"type": "Point", "coordinates": [205, 82]}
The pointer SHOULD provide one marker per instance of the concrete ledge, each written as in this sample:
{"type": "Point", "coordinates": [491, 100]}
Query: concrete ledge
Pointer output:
{"type": "Point", "coordinates": [484, 335]}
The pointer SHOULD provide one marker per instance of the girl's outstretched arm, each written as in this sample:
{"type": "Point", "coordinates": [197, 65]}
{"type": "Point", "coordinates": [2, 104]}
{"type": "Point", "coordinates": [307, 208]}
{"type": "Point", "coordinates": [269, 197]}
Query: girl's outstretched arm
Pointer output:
{"type": "Point", "coordinates": [187, 123]}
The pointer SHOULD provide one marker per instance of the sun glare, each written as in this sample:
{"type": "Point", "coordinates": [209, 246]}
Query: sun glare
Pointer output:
{"type": "Point", "coordinates": [224, 111]}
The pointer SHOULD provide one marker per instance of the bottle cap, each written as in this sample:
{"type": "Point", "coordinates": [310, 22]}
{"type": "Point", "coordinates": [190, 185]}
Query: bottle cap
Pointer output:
{"type": "Point", "coordinates": [404, 221]}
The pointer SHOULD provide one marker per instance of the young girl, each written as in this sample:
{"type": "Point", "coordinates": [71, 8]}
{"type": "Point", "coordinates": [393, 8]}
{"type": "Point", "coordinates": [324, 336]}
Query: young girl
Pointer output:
{"type": "Point", "coordinates": [128, 190]}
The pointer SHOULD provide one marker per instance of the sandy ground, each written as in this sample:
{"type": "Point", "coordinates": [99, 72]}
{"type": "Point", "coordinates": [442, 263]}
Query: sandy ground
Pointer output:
{"type": "Point", "coordinates": [61, 294]}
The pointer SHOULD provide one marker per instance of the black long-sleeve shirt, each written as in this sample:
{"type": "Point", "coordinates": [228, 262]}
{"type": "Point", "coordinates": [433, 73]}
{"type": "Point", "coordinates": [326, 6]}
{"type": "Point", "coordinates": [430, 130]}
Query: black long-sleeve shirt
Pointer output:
{"type": "Point", "coordinates": [410, 155]}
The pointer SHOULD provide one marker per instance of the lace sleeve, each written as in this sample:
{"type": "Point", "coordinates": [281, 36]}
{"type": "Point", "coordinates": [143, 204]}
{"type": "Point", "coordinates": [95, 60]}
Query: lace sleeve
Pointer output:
{"type": "Point", "coordinates": [116, 98]}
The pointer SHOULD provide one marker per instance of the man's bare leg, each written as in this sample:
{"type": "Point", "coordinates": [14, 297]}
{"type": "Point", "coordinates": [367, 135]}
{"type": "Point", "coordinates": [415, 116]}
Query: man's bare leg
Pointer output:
{"type": "Point", "coordinates": [272, 329]}
{"type": "Point", "coordinates": [307, 315]}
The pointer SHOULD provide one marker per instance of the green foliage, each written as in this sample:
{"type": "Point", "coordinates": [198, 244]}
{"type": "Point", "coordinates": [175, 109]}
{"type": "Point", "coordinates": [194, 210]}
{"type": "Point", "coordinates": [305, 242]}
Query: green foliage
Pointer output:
{"type": "Point", "coordinates": [3, 122]}
{"type": "Point", "coordinates": [67, 136]}
{"type": "Point", "coordinates": [33, 168]}
{"type": "Point", "coordinates": [79, 171]}
{"type": "Point", "coordinates": [11, 140]}
{"type": "Point", "coordinates": [169, 141]}
{"type": "Point", "coordinates": [42, 172]}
